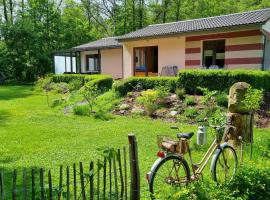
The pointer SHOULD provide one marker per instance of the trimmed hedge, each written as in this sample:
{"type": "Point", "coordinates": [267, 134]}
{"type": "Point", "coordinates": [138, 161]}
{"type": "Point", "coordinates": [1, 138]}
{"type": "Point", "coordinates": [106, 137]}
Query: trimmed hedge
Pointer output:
{"type": "Point", "coordinates": [103, 82]}
{"type": "Point", "coordinates": [222, 80]}
{"type": "Point", "coordinates": [123, 87]}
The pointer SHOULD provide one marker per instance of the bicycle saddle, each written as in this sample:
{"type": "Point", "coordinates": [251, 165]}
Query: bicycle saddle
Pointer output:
{"type": "Point", "coordinates": [185, 135]}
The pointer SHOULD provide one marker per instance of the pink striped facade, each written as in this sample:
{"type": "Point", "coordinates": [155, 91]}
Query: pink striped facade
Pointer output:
{"type": "Point", "coordinates": [243, 49]}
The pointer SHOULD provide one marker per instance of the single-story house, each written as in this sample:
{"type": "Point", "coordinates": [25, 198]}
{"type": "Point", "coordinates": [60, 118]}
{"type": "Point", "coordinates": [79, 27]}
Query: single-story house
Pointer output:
{"type": "Point", "coordinates": [240, 40]}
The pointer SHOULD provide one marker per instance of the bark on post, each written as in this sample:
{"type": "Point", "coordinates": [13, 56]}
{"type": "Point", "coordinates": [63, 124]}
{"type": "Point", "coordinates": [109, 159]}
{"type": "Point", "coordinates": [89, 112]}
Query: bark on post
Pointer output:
{"type": "Point", "coordinates": [239, 117]}
{"type": "Point", "coordinates": [134, 168]}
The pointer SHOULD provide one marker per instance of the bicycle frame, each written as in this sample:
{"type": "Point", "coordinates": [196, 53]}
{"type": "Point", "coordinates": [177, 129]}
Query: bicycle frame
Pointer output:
{"type": "Point", "coordinates": [202, 164]}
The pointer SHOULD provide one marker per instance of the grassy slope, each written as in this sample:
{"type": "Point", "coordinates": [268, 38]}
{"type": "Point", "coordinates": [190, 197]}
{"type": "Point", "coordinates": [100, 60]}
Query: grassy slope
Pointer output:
{"type": "Point", "coordinates": [33, 135]}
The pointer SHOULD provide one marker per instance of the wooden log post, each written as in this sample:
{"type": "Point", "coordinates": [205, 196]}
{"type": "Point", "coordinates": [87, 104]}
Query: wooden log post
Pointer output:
{"type": "Point", "coordinates": [134, 168]}
{"type": "Point", "coordinates": [240, 118]}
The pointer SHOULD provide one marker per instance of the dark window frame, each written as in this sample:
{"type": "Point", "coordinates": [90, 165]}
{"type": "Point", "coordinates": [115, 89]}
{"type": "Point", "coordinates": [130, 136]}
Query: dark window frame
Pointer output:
{"type": "Point", "coordinates": [214, 49]}
{"type": "Point", "coordinates": [94, 56]}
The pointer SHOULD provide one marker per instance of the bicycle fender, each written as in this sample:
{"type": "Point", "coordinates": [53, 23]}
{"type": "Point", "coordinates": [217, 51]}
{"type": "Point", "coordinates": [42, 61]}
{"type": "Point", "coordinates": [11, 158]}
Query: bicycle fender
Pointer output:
{"type": "Point", "coordinates": [222, 146]}
{"type": "Point", "coordinates": [154, 166]}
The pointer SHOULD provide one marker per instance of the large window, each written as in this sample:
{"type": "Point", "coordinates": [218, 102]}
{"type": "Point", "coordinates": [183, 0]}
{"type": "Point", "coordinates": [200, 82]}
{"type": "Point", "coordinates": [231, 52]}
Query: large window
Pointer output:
{"type": "Point", "coordinates": [214, 53]}
{"type": "Point", "coordinates": [93, 63]}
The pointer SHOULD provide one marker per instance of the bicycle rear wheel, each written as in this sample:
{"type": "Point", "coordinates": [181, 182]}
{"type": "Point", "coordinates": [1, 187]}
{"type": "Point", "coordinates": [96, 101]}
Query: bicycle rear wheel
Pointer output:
{"type": "Point", "coordinates": [224, 164]}
{"type": "Point", "coordinates": [169, 176]}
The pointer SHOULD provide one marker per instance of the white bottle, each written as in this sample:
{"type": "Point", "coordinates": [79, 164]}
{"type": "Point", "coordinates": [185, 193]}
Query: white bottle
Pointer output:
{"type": "Point", "coordinates": [201, 135]}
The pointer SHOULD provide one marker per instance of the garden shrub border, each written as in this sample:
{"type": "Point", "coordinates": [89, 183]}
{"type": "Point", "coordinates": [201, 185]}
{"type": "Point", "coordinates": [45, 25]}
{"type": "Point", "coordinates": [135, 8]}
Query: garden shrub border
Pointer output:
{"type": "Point", "coordinates": [103, 82]}
{"type": "Point", "coordinates": [222, 80]}
{"type": "Point", "coordinates": [127, 85]}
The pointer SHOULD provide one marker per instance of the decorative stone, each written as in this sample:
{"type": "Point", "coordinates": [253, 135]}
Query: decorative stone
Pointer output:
{"type": "Point", "coordinates": [237, 96]}
{"type": "Point", "coordinates": [173, 113]}
{"type": "Point", "coordinates": [124, 106]}
{"type": "Point", "coordinates": [137, 111]}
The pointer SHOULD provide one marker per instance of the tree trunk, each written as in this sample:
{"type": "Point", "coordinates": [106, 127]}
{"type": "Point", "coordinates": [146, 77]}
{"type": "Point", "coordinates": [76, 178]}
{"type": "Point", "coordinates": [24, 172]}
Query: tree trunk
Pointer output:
{"type": "Point", "coordinates": [5, 10]}
{"type": "Point", "coordinates": [177, 15]}
{"type": "Point", "coordinates": [11, 10]}
{"type": "Point", "coordinates": [165, 9]}
{"type": "Point", "coordinates": [133, 15]}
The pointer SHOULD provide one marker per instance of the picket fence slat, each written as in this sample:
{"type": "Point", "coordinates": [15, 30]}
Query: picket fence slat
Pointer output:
{"type": "Point", "coordinates": [42, 190]}
{"type": "Point", "coordinates": [110, 175]}
{"type": "Point", "coordinates": [104, 178]}
{"type": "Point", "coordinates": [74, 182]}
{"type": "Point", "coordinates": [98, 179]}
{"type": "Point", "coordinates": [14, 184]}
{"type": "Point", "coordinates": [33, 184]}
{"type": "Point", "coordinates": [68, 183]}
{"type": "Point", "coordinates": [50, 185]}
{"type": "Point", "coordinates": [115, 177]}
{"type": "Point", "coordinates": [2, 184]}
{"type": "Point", "coordinates": [125, 171]}
{"type": "Point", "coordinates": [91, 178]}
{"type": "Point", "coordinates": [82, 182]}
{"type": "Point", "coordinates": [24, 184]}
{"type": "Point", "coordinates": [120, 174]}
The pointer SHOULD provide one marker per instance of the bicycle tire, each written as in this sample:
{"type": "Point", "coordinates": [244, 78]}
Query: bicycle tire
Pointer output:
{"type": "Point", "coordinates": [162, 162]}
{"type": "Point", "coordinates": [217, 160]}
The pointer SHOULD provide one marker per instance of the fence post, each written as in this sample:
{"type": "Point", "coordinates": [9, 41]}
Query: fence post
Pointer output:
{"type": "Point", "coordinates": [134, 168]}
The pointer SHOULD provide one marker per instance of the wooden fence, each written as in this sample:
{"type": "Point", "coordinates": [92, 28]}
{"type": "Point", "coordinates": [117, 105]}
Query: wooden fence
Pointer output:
{"type": "Point", "coordinates": [109, 178]}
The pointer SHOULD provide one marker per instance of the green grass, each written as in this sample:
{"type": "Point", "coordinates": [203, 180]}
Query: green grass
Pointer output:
{"type": "Point", "coordinates": [34, 135]}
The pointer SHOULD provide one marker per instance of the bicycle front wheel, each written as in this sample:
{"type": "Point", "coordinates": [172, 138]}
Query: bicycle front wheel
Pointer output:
{"type": "Point", "coordinates": [168, 177]}
{"type": "Point", "coordinates": [224, 164]}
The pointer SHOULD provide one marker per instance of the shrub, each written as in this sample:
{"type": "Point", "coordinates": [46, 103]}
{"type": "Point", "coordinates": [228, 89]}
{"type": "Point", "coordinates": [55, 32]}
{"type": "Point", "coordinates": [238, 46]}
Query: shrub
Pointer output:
{"type": "Point", "coordinates": [207, 95]}
{"type": "Point", "coordinates": [148, 99]}
{"type": "Point", "coordinates": [74, 85]}
{"type": "Point", "coordinates": [90, 93]}
{"type": "Point", "coordinates": [253, 99]}
{"type": "Point", "coordinates": [81, 110]}
{"type": "Point", "coordinates": [222, 99]}
{"type": "Point", "coordinates": [135, 83]}
{"type": "Point", "coordinates": [222, 80]}
{"type": "Point", "coordinates": [105, 104]}
{"type": "Point", "coordinates": [180, 92]}
{"type": "Point", "coordinates": [103, 82]}
{"type": "Point", "coordinates": [190, 101]}
{"type": "Point", "coordinates": [191, 112]}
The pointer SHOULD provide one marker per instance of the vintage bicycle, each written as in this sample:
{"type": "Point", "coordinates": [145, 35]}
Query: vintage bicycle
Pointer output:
{"type": "Point", "coordinates": [171, 170]}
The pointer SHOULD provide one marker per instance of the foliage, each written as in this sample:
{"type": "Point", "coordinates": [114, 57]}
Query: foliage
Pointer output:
{"type": "Point", "coordinates": [123, 87]}
{"type": "Point", "coordinates": [253, 99]}
{"type": "Point", "coordinates": [162, 92]}
{"type": "Point", "coordinates": [149, 99]}
{"type": "Point", "coordinates": [90, 93]}
{"type": "Point", "coordinates": [222, 80]}
{"type": "Point", "coordinates": [218, 117]}
{"type": "Point", "coordinates": [74, 85]}
{"type": "Point", "coordinates": [81, 110]}
{"type": "Point", "coordinates": [103, 82]}
{"type": "Point", "coordinates": [190, 101]}
{"type": "Point", "coordinates": [191, 112]}
{"type": "Point", "coordinates": [105, 104]}
{"type": "Point", "coordinates": [251, 182]}
{"type": "Point", "coordinates": [222, 99]}
{"type": "Point", "coordinates": [180, 92]}
{"type": "Point", "coordinates": [208, 96]}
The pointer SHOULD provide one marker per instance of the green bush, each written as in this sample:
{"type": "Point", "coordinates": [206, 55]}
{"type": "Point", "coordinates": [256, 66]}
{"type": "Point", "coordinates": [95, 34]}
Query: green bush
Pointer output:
{"type": "Point", "coordinates": [74, 85]}
{"type": "Point", "coordinates": [83, 110]}
{"type": "Point", "coordinates": [251, 182]}
{"type": "Point", "coordinates": [190, 101]}
{"type": "Point", "coordinates": [103, 82]}
{"type": "Point", "coordinates": [191, 113]}
{"type": "Point", "coordinates": [149, 99]}
{"type": "Point", "coordinates": [180, 92]}
{"type": "Point", "coordinates": [222, 99]}
{"type": "Point", "coordinates": [133, 83]}
{"type": "Point", "coordinates": [222, 80]}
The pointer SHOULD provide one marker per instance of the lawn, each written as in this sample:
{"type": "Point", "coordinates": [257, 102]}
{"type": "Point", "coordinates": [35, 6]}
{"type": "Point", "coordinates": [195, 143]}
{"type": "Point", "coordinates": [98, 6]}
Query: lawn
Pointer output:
{"type": "Point", "coordinates": [34, 135]}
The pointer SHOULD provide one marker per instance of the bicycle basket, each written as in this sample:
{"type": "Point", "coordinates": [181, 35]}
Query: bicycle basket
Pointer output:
{"type": "Point", "coordinates": [167, 143]}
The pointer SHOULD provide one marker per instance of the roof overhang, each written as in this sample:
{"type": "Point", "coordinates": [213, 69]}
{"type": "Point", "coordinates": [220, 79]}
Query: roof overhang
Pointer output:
{"type": "Point", "coordinates": [197, 32]}
{"type": "Point", "coordinates": [96, 48]}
